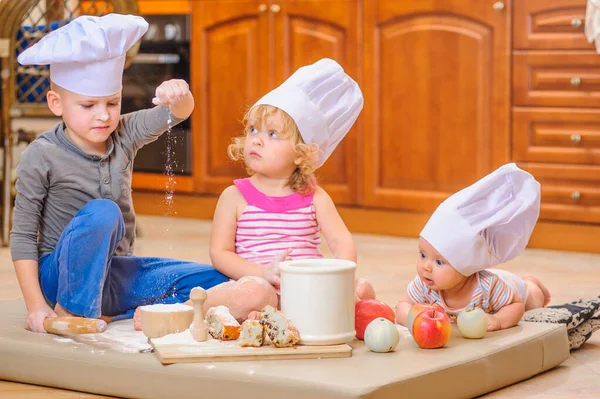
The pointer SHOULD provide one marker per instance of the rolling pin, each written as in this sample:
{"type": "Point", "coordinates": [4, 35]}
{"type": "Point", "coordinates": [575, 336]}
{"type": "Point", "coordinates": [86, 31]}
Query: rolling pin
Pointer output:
{"type": "Point", "coordinates": [73, 325]}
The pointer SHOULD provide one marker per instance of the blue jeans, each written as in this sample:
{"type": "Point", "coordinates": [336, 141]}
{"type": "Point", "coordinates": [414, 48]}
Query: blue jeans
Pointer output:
{"type": "Point", "coordinates": [84, 276]}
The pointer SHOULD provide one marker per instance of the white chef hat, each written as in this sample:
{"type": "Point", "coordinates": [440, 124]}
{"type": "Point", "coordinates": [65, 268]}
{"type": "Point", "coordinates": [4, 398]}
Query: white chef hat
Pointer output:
{"type": "Point", "coordinates": [87, 56]}
{"type": "Point", "coordinates": [487, 223]}
{"type": "Point", "coordinates": [323, 101]}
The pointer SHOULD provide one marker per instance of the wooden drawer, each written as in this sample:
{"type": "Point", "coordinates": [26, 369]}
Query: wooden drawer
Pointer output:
{"type": "Point", "coordinates": [562, 135]}
{"type": "Point", "coordinates": [570, 193]}
{"type": "Point", "coordinates": [557, 78]}
{"type": "Point", "coordinates": [544, 24]}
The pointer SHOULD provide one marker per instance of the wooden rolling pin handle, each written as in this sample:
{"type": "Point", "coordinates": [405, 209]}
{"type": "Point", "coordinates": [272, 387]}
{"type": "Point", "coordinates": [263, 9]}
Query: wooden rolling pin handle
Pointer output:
{"type": "Point", "coordinates": [73, 325]}
{"type": "Point", "coordinates": [198, 329]}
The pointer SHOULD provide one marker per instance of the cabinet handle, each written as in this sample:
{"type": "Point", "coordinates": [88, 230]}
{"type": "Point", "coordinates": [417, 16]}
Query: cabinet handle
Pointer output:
{"type": "Point", "coordinates": [575, 195]}
{"type": "Point", "coordinates": [275, 8]}
{"type": "Point", "coordinates": [498, 6]}
{"type": "Point", "coordinates": [576, 138]}
{"type": "Point", "coordinates": [576, 22]}
{"type": "Point", "coordinates": [262, 8]}
{"type": "Point", "coordinates": [576, 81]}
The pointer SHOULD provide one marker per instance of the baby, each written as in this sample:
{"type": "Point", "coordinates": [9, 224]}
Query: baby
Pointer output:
{"type": "Point", "coordinates": [481, 226]}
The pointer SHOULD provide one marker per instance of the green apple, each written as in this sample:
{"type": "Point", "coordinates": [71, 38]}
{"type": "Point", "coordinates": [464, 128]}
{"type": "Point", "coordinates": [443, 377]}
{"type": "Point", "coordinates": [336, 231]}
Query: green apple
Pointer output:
{"type": "Point", "coordinates": [381, 335]}
{"type": "Point", "coordinates": [472, 323]}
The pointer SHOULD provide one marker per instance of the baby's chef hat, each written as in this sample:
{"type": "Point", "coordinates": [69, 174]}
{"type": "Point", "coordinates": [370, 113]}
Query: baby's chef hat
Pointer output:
{"type": "Point", "coordinates": [87, 56]}
{"type": "Point", "coordinates": [487, 223]}
{"type": "Point", "coordinates": [323, 101]}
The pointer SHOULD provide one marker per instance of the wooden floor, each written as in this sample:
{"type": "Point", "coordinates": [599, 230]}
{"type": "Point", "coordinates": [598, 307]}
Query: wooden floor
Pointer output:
{"type": "Point", "coordinates": [390, 264]}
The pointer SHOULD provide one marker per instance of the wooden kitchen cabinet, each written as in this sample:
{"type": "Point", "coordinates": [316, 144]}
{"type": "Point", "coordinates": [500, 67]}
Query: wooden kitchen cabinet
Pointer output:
{"type": "Point", "coordinates": [437, 98]}
{"type": "Point", "coordinates": [229, 56]}
{"type": "Point", "coordinates": [242, 49]}
{"type": "Point", "coordinates": [561, 148]}
{"type": "Point", "coordinates": [556, 108]}
{"type": "Point", "coordinates": [453, 89]}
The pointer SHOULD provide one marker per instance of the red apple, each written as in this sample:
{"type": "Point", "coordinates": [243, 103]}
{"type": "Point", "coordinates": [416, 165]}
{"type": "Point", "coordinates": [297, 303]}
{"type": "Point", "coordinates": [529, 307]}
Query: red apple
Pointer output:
{"type": "Point", "coordinates": [431, 329]}
{"type": "Point", "coordinates": [366, 310]}
{"type": "Point", "coordinates": [416, 309]}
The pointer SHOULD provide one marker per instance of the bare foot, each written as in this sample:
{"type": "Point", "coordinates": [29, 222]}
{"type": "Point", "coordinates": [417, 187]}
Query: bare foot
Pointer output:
{"type": "Point", "coordinates": [62, 312]}
{"type": "Point", "coordinates": [137, 319]}
{"type": "Point", "coordinates": [253, 315]}
{"type": "Point", "coordinates": [107, 319]}
{"type": "Point", "coordinates": [539, 296]}
{"type": "Point", "coordinates": [364, 290]}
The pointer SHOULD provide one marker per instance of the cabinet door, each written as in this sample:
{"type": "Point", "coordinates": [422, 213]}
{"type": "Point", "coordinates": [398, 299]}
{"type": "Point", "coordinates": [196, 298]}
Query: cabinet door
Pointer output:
{"type": "Point", "coordinates": [304, 32]}
{"type": "Point", "coordinates": [436, 84]}
{"type": "Point", "coordinates": [229, 49]}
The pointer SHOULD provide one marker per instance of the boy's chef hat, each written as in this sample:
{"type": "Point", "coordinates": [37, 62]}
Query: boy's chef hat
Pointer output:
{"type": "Point", "coordinates": [487, 223]}
{"type": "Point", "coordinates": [87, 55]}
{"type": "Point", "coordinates": [323, 101]}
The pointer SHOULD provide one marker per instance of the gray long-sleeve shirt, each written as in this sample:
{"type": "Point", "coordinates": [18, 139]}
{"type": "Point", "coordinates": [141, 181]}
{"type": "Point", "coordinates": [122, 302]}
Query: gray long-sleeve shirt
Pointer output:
{"type": "Point", "coordinates": [56, 179]}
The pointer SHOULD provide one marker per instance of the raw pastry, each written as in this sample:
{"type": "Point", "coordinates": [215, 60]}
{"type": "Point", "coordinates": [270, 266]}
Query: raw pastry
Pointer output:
{"type": "Point", "coordinates": [221, 324]}
{"type": "Point", "coordinates": [253, 334]}
{"type": "Point", "coordinates": [280, 330]}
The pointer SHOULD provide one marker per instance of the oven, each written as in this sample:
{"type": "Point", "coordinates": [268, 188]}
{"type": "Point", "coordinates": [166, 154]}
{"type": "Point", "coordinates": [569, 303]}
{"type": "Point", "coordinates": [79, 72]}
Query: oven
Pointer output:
{"type": "Point", "coordinates": [164, 54]}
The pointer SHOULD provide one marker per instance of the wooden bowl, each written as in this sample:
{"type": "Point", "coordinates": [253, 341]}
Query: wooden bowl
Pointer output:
{"type": "Point", "coordinates": [163, 319]}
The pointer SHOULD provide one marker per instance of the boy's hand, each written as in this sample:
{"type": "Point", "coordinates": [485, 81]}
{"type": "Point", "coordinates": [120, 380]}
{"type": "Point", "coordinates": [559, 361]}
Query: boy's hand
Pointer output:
{"type": "Point", "coordinates": [171, 92]}
{"type": "Point", "coordinates": [35, 318]}
{"type": "Point", "coordinates": [271, 272]}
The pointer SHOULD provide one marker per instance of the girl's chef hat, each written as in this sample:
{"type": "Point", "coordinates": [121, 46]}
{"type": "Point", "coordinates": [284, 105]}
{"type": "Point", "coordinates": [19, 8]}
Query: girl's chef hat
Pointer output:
{"type": "Point", "coordinates": [323, 101]}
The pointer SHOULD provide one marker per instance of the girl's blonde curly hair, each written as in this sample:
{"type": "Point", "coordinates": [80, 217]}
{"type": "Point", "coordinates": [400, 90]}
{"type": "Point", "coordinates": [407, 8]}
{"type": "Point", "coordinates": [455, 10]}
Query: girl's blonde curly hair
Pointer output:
{"type": "Point", "coordinates": [303, 179]}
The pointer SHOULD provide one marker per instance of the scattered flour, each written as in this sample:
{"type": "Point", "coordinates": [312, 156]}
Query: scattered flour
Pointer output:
{"type": "Point", "coordinates": [185, 338]}
{"type": "Point", "coordinates": [119, 336]}
{"type": "Point", "coordinates": [160, 307]}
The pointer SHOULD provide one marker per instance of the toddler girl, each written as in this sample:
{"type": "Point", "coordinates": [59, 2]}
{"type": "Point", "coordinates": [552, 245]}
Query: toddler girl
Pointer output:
{"type": "Point", "coordinates": [279, 212]}
{"type": "Point", "coordinates": [481, 226]}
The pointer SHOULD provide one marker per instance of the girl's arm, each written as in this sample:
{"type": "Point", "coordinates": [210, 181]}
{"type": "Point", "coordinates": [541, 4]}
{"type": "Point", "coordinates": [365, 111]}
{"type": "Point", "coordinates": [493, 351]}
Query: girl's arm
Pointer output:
{"type": "Point", "coordinates": [222, 239]}
{"type": "Point", "coordinates": [336, 233]}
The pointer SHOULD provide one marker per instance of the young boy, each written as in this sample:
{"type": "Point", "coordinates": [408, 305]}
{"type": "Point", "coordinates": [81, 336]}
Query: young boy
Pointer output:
{"type": "Point", "coordinates": [74, 222]}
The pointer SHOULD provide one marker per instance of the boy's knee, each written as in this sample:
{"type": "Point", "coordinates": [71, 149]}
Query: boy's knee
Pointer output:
{"type": "Point", "coordinates": [103, 213]}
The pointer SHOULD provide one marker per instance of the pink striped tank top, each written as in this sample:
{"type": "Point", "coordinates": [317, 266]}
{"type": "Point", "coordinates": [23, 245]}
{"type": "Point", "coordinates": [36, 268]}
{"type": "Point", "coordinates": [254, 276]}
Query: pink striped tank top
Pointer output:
{"type": "Point", "coordinates": [270, 225]}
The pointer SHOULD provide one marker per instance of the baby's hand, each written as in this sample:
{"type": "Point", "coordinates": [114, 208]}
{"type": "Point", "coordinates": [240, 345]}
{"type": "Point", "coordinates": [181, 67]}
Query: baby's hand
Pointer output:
{"type": "Point", "coordinates": [271, 272]}
{"type": "Point", "coordinates": [35, 319]}
{"type": "Point", "coordinates": [171, 92]}
{"type": "Point", "coordinates": [493, 322]}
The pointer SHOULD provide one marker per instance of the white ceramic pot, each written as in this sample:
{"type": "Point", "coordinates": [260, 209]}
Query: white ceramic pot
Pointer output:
{"type": "Point", "coordinates": [317, 296]}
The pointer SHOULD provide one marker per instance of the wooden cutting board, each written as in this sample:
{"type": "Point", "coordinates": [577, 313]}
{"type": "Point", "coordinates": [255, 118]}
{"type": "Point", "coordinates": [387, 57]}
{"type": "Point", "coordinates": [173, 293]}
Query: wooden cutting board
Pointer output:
{"type": "Point", "coordinates": [182, 348]}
